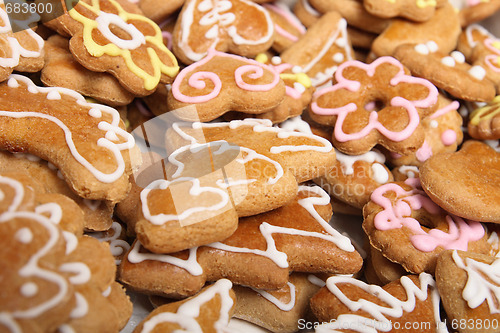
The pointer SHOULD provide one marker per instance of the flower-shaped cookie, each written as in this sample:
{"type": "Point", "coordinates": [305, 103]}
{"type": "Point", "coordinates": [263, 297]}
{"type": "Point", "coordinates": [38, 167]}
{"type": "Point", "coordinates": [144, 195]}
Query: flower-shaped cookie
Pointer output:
{"type": "Point", "coordinates": [377, 103]}
{"type": "Point", "coordinates": [112, 36]}
{"type": "Point", "coordinates": [239, 26]}
{"type": "Point", "coordinates": [21, 51]}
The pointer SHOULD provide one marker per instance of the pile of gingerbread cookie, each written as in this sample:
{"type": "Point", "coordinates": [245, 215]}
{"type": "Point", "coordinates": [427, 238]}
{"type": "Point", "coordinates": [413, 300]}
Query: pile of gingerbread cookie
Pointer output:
{"type": "Point", "coordinates": [195, 151]}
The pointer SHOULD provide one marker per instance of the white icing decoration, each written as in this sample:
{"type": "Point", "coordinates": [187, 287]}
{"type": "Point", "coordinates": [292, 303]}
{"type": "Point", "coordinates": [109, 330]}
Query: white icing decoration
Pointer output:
{"type": "Point", "coordinates": [297, 69]}
{"type": "Point", "coordinates": [261, 125]}
{"type": "Point", "coordinates": [434, 124]}
{"type": "Point", "coordinates": [316, 280]}
{"type": "Point", "coordinates": [279, 304]}
{"type": "Point", "coordinates": [52, 209]}
{"type": "Point", "coordinates": [79, 269]}
{"type": "Point", "coordinates": [107, 292]}
{"type": "Point", "coordinates": [105, 20]}
{"type": "Point", "coordinates": [477, 72]}
{"type": "Point", "coordinates": [92, 204]}
{"type": "Point", "coordinates": [71, 241]}
{"type": "Point", "coordinates": [296, 124]}
{"type": "Point", "coordinates": [422, 49]}
{"type": "Point", "coordinates": [29, 289]}
{"type": "Point", "coordinates": [380, 174]}
{"type": "Point", "coordinates": [8, 321]}
{"type": "Point", "coordinates": [495, 144]}
{"type": "Point", "coordinates": [29, 157]}
{"type": "Point", "coordinates": [65, 328]}
{"type": "Point", "coordinates": [187, 313]}
{"type": "Point", "coordinates": [394, 308]}
{"type": "Point", "coordinates": [113, 127]}
{"type": "Point", "coordinates": [468, 33]}
{"type": "Point", "coordinates": [276, 60]}
{"type": "Point", "coordinates": [31, 268]}
{"type": "Point", "coordinates": [409, 170]}
{"type": "Point", "coordinates": [191, 265]}
{"type": "Point", "coordinates": [116, 246]}
{"type": "Point", "coordinates": [483, 282]}
{"type": "Point", "coordinates": [432, 46]}
{"type": "Point", "coordinates": [307, 6]}
{"type": "Point", "coordinates": [448, 61]}
{"type": "Point", "coordinates": [338, 57]}
{"type": "Point", "coordinates": [299, 87]}
{"type": "Point", "coordinates": [24, 235]}
{"type": "Point", "coordinates": [196, 189]}
{"type": "Point", "coordinates": [458, 56]}
{"type": "Point", "coordinates": [81, 307]}
{"type": "Point", "coordinates": [54, 95]}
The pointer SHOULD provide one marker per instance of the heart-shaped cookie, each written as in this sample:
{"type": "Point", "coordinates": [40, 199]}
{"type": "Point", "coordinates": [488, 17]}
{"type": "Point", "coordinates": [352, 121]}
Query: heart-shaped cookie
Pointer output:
{"type": "Point", "coordinates": [465, 183]}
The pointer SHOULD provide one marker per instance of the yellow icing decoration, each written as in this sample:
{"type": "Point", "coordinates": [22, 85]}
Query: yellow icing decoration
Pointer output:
{"type": "Point", "coordinates": [426, 3]}
{"type": "Point", "coordinates": [301, 78]}
{"type": "Point", "coordinates": [262, 58]}
{"type": "Point", "coordinates": [496, 45]}
{"type": "Point", "coordinates": [486, 112]}
{"type": "Point", "coordinates": [97, 50]}
{"type": "Point", "coordinates": [391, 1]}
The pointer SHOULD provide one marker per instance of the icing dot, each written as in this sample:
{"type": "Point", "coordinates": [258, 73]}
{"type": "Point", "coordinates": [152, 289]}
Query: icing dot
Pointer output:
{"type": "Point", "coordinates": [380, 174]}
{"type": "Point", "coordinates": [449, 137]}
{"type": "Point", "coordinates": [464, 112]}
{"type": "Point", "coordinates": [29, 289]}
{"type": "Point", "coordinates": [424, 152]}
{"type": "Point", "coordinates": [24, 235]}
{"type": "Point", "coordinates": [297, 69]}
{"type": "Point", "coordinates": [53, 95]}
{"type": "Point", "coordinates": [448, 61]}
{"type": "Point", "coordinates": [434, 124]}
{"type": "Point", "coordinates": [478, 72]}
{"type": "Point", "coordinates": [458, 56]}
{"type": "Point", "coordinates": [276, 60]}
{"type": "Point", "coordinates": [96, 113]}
{"type": "Point", "coordinates": [422, 49]}
{"type": "Point", "coordinates": [338, 57]}
{"type": "Point", "coordinates": [341, 42]}
{"type": "Point", "coordinates": [432, 46]}
{"type": "Point", "coordinates": [12, 83]}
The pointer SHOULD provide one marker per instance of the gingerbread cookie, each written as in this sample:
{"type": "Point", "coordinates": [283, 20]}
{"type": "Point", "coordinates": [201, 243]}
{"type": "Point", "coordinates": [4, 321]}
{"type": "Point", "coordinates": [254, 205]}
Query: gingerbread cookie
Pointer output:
{"type": "Point", "coordinates": [404, 212]}
{"type": "Point", "coordinates": [62, 70]}
{"type": "Point", "coordinates": [306, 13]}
{"type": "Point", "coordinates": [380, 270]}
{"type": "Point", "coordinates": [208, 311]}
{"type": "Point", "coordinates": [115, 236]}
{"type": "Point", "coordinates": [97, 213]}
{"type": "Point", "coordinates": [113, 36]}
{"type": "Point", "coordinates": [349, 303]}
{"type": "Point", "coordinates": [222, 82]}
{"type": "Point", "coordinates": [322, 49]}
{"type": "Point", "coordinates": [442, 132]}
{"type": "Point", "coordinates": [307, 156]}
{"type": "Point", "coordinates": [474, 11]}
{"type": "Point", "coordinates": [443, 28]}
{"type": "Point", "coordinates": [468, 284]}
{"type": "Point", "coordinates": [417, 11]}
{"type": "Point", "coordinates": [484, 122]}
{"type": "Point", "coordinates": [159, 11]}
{"type": "Point", "coordinates": [238, 26]}
{"type": "Point", "coordinates": [377, 103]}
{"type": "Point", "coordinates": [261, 253]}
{"type": "Point", "coordinates": [21, 51]}
{"type": "Point", "coordinates": [86, 142]}
{"type": "Point", "coordinates": [446, 179]}
{"type": "Point", "coordinates": [449, 72]}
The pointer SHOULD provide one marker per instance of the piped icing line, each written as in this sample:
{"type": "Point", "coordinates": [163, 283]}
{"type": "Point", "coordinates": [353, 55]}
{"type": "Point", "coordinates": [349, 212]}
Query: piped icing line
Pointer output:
{"type": "Point", "coordinates": [32, 268]}
{"type": "Point", "coordinates": [398, 214]}
{"type": "Point", "coordinates": [493, 60]}
{"type": "Point", "coordinates": [453, 106]}
{"type": "Point", "coordinates": [483, 282]}
{"type": "Point", "coordinates": [296, 124]}
{"type": "Point", "coordinates": [469, 34]}
{"type": "Point", "coordinates": [279, 304]}
{"type": "Point", "coordinates": [249, 155]}
{"type": "Point", "coordinates": [116, 246]}
{"type": "Point", "coordinates": [373, 123]}
{"type": "Point", "coordinates": [113, 132]}
{"type": "Point", "coordinates": [218, 23]}
{"type": "Point", "coordinates": [253, 69]}
{"type": "Point", "coordinates": [258, 126]}
{"type": "Point", "coordinates": [307, 6]}
{"type": "Point", "coordinates": [187, 313]}
{"type": "Point", "coordinates": [339, 38]}
{"type": "Point", "coordinates": [123, 47]}
{"type": "Point", "coordinates": [486, 112]}
{"type": "Point", "coordinates": [394, 307]}
{"type": "Point", "coordinates": [196, 189]}
{"type": "Point", "coordinates": [286, 14]}
{"type": "Point", "coordinates": [267, 230]}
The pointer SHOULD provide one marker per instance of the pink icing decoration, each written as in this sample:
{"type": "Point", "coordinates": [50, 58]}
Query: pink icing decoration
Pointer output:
{"type": "Point", "coordinates": [285, 33]}
{"type": "Point", "coordinates": [449, 137]}
{"type": "Point", "coordinates": [290, 91]}
{"type": "Point", "coordinates": [397, 215]}
{"type": "Point", "coordinates": [492, 59]}
{"type": "Point", "coordinates": [423, 153]}
{"type": "Point", "coordinates": [168, 36]}
{"type": "Point", "coordinates": [196, 80]}
{"type": "Point", "coordinates": [395, 155]}
{"type": "Point", "coordinates": [471, 3]}
{"type": "Point", "coordinates": [373, 123]}
{"type": "Point", "coordinates": [450, 107]}
{"type": "Point", "coordinates": [288, 16]}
